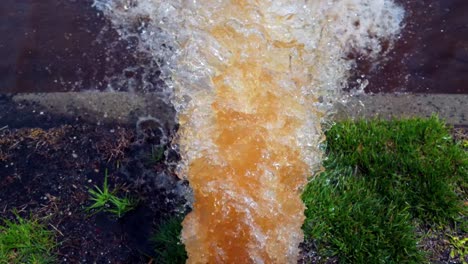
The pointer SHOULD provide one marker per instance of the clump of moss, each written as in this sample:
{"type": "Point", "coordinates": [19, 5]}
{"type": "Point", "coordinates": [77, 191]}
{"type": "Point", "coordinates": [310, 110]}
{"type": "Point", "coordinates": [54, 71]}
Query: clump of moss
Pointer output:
{"type": "Point", "coordinates": [168, 246]}
{"type": "Point", "coordinates": [411, 162]}
{"type": "Point", "coordinates": [381, 178]}
{"type": "Point", "coordinates": [348, 219]}
{"type": "Point", "coordinates": [26, 241]}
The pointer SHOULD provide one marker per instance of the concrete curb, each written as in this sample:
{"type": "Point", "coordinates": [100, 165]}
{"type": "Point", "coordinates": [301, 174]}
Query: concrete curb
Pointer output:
{"type": "Point", "coordinates": [100, 107]}
{"type": "Point", "coordinates": [453, 108]}
{"type": "Point", "coordinates": [125, 108]}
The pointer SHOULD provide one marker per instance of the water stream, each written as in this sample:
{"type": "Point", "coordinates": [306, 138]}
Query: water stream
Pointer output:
{"type": "Point", "coordinates": [253, 82]}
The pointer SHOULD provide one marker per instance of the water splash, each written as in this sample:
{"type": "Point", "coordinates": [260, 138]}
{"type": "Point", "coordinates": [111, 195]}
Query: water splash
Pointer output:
{"type": "Point", "coordinates": [252, 82]}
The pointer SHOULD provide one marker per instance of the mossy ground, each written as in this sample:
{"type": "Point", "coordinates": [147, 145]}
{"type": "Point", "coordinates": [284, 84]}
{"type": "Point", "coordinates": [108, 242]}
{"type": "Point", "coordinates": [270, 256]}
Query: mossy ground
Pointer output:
{"type": "Point", "coordinates": [392, 192]}
{"type": "Point", "coordinates": [48, 173]}
{"type": "Point", "coordinates": [386, 185]}
{"type": "Point", "coordinates": [168, 245]}
{"type": "Point", "coordinates": [26, 241]}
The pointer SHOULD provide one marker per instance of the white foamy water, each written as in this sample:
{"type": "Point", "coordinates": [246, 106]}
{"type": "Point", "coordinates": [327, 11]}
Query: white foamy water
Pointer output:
{"type": "Point", "coordinates": [252, 82]}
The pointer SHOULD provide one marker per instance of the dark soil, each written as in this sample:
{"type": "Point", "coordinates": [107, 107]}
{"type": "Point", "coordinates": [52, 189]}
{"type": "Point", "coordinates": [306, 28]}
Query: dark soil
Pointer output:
{"type": "Point", "coordinates": [438, 245]}
{"type": "Point", "coordinates": [47, 172]}
{"type": "Point", "coordinates": [309, 254]}
{"type": "Point", "coordinates": [460, 134]}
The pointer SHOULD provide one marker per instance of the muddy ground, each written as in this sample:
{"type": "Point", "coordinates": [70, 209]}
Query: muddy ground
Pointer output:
{"type": "Point", "coordinates": [46, 171]}
{"type": "Point", "coordinates": [49, 162]}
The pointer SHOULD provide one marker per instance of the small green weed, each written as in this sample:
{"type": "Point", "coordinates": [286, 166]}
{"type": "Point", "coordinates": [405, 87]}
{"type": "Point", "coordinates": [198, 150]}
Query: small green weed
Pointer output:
{"type": "Point", "coordinates": [168, 246]}
{"type": "Point", "coordinates": [106, 200]}
{"type": "Point", "coordinates": [465, 143]}
{"type": "Point", "coordinates": [459, 248]}
{"type": "Point", "coordinates": [157, 153]}
{"type": "Point", "coordinates": [26, 241]}
{"type": "Point", "coordinates": [156, 156]}
{"type": "Point", "coordinates": [120, 206]}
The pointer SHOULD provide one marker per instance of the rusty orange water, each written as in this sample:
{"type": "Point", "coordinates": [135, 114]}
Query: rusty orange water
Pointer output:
{"type": "Point", "coordinates": [252, 82]}
{"type": "Point", "coordinates": [247, 186]}
{"type": "Point", "coordinates": [248, 204]}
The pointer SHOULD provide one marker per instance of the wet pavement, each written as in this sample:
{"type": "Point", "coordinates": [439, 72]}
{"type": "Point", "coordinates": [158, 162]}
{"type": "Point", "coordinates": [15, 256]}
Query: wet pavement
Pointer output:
{"type": "Point", "coordinates": [62, 45]}
{"type": "Point", "coordinates": [67, 45]}
{"type": "Point", "coordinates": [49, 45]}
{"type": "Point", "coordinates": [432, 54]}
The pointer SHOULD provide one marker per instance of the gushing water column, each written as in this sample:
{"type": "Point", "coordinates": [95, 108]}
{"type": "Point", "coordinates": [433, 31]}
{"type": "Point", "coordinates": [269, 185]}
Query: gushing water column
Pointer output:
{"type": "Point", "coordinates": [252, 81]}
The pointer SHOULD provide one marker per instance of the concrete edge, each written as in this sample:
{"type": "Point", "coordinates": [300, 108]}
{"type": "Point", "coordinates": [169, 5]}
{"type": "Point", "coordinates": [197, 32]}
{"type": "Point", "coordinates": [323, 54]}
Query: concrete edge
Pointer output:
{"type": "Point", "coordinates": [453, 108]}
{"type": "Point", "coordinates": [101, 107]}
{"type": "Point", "coordinates": [125, 108]}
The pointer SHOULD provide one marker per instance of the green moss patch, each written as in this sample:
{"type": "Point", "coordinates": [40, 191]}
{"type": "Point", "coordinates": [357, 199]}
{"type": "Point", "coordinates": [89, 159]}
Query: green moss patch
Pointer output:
{"type": "Point", "coordinates": [26, 241]}
{"type": "Point", "coordinates": [382, 180]}
{"type": "Point", "coordinates": [168, 245]}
